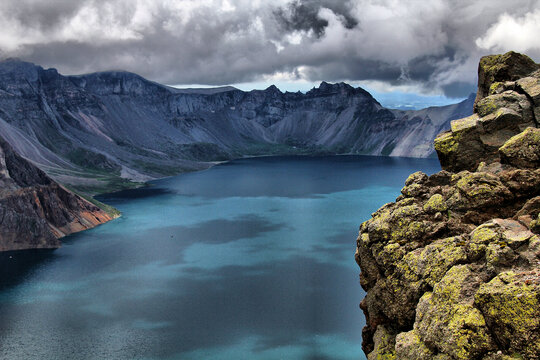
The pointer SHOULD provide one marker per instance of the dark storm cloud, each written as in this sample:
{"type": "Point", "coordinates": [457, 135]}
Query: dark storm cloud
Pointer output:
{"type": "Point", "coordinates": [304, 15]}
{"type": "Point", "coordinates": [42, 15]}
{"type": "Point", "coordinates": [430, 48]}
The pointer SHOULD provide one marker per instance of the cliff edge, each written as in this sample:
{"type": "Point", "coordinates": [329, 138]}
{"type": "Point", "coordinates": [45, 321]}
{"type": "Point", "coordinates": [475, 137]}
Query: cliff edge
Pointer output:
{"type": "Point", "coordinates": [35, 211]}
{"type": "Point", "coordinates": [452, 268]}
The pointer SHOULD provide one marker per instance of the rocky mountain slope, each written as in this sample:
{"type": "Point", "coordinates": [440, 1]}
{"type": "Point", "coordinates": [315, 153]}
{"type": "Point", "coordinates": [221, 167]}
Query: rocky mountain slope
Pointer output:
{"type": "Point", "coordinates": [99, 131]}
{"type": "Point", "coordinates": [452, 268]}
{"type": "Point", "coordinates": [34, 210]}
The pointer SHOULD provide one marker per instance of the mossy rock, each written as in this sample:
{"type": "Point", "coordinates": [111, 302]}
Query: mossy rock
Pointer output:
{"type": "Point", "coordinates": [409, 346]}
{"type": "Point", "coordinates": [416, 178]}
{"type": "Point", "coordinates": [465, 123]}
{"type": "Point", "coordinates": [435, 204]}
{"type": "Point", "coordinates": [511, 100]}
{"type": "Point", "coordinates": [511, 305]}
{"type": "Point", "coordinates": [535, 225]}
{"type": "Point", "coordinates": [502, 118]}
{"type": "Point", "coordinates": [413, 190]}
{"type": "Point", "coordinates": [446, 143]}
{"type": "Point", "coordinates": [522, 150]}
{"type": "Point", "coordinates": [482, 189]}
{"type": "Point", "coordinates": [531, 86]}
{"type": "Point", "coordinates": [384, 348]}
{"type": "Point", "coordinates": [501, 68]}
{"type": "Point", "coordinates": [447, 321]}
{"type": "Point", "coordinates": [431, 263]}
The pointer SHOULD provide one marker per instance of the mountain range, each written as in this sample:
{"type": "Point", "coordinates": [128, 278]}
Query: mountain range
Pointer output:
{"type": "Point", "coordinates": [110, 130]}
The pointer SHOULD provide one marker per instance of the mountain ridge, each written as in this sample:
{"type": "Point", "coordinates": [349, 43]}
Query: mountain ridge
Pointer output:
{"type": "Point", "coordinates": [108, 130]}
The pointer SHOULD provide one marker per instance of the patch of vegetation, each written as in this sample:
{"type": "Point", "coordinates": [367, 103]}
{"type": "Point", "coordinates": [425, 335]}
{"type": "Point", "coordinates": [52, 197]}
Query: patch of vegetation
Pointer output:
{"type": "Point", "coordinates": [91, 160]}
{"type": "Point", "coordinates": [159, 169]}
{"type": "Point", "coordinates": [202, 151]}
{"type": "Point", "coordinates": [112, 211]}
{"type": "Point", "coordinates": [388, 148]}
{"type": "Point", "coordinates": [265, 149]}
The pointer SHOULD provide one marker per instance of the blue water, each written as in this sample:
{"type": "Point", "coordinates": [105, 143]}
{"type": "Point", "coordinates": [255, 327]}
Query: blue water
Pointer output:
{"type": "Point", "coordinates": [252, 259]}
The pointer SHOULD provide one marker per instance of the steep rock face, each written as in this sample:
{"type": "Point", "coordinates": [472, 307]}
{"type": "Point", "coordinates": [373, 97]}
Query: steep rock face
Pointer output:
{"type": "Point", "coordinates": [109, 126]}
{"type": "Point", "coordinates": [505, 105]}
{"type": "Point", "coordinates": [452, 268]}
{"type": "Point", "coordinates": [34, 210]}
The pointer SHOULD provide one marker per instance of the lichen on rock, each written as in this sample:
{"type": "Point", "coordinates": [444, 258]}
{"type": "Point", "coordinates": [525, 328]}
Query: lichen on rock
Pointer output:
{"type": "Point", "coordinates": [452, 268]}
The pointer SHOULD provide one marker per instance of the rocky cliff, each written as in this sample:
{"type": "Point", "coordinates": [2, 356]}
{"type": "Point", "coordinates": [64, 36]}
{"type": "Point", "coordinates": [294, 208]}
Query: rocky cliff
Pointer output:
{"type": "Point", "coordinates": [35, 212]}
{"type": "Point", "coordinates": [452, 268]}
{"type": "Point", "coordinates": [99, 131]}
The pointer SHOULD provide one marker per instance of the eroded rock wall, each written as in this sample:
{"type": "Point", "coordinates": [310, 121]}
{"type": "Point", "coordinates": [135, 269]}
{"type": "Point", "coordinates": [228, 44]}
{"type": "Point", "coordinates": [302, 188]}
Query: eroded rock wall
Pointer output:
{"type": "Point", "coordinates": [452, 268]}
{"type": "Point", "coordinates": [35, 211]}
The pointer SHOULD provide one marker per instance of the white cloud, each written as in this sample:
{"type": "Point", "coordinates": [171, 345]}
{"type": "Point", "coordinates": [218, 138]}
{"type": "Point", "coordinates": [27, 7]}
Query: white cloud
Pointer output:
{"type": "Point", "coordinates": [513, 33]}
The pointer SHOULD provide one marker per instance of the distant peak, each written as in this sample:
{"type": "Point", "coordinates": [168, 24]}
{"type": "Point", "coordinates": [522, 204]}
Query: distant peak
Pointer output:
{"type": "Point", "coordinates": [272, 88]}
{"type": "Point", "coordinates": [341, 88]}
{"type": "Point", "coordinates": [334, 86]}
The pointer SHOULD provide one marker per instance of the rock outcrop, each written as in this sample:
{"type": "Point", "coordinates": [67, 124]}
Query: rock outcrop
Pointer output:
{"type": "Point", "coordinates": [507, 102]}
{"type": "Point", "coordinates": [97, 131]}
{"type": "Point", "coordinates": [452, 268]}
{"type": "Point", "coordinates": [35, 211]}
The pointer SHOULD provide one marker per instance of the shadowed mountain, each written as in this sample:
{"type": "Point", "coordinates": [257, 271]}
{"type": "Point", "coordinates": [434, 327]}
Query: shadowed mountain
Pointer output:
{"type": "Point", "coordinates": [102, 131]}
{"type": "Point", "coordinates": [34, 210]}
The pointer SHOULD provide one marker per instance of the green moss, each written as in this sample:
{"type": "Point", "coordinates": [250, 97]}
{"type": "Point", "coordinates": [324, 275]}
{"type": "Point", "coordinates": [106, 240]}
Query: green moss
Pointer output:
{"type": "Point", "coordinates": [463, 124]}
{"type": "Point", "coordinates": [410, 346]}
{"type": "Point", "coordinates": [480, 238]}
{"type": "Point", "coordinates": [407, 201]}
{"type": "Point", "coordinates": [494, 88]}
{"type": "Point", "coordinates": [416, 178]}
{"type": "Point", "coordinates": [511, 303]}
{"type": "Point", "coordinates": [446, 319]}
{"type": "Point", "coordinates": [406, 211]}
{"type": "Point", "coordinates": [384, 345]}
{"type": "Point", "coordinates": [482, 188]}
{"type": "Point", "coordinates": [379, 226]}
{"type": "Point", "coordinates": [390, 254]}
{"type": "Point", "coordinates": [447, 143]}
{"type": "Point", "coordinates": [486, 106]}
{"type": "Point", "coordinates": [435, 204]}
{"type": "Point", "coordinates": [408, 231]}
{"type": "Point", "coordinates": [484, 234]}
{"type": "Point", "coordinates": [466, 339]}
{"type": "Point", "coordinates": [432, 263]}
{"type": "Point", "coordinates": [535, 225]}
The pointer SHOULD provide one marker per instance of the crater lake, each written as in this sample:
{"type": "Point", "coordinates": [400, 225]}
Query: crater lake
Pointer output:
{"type": "Point", "coordinates": [251, 259]}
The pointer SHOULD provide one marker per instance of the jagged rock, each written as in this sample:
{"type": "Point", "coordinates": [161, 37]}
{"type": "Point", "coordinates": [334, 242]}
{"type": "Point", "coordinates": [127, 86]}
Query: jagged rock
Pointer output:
{"type": "Point", "coordinates": [35, 212]}
{"type": "Point", "coordinates": [503, 108]}
{"type": "Point", "coordinates": [501, 68]}
{"type": "Point", "coordinates": [452, 268]}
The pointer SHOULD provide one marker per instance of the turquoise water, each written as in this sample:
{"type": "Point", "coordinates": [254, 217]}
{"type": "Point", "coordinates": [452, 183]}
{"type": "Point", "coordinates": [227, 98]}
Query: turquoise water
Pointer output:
{"type": "Point", "coordinates": [252, 259]}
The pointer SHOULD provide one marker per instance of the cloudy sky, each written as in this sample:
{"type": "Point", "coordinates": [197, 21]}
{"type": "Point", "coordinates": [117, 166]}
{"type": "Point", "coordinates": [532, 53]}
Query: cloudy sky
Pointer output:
{"type": "Point", "coordinates": [423, 47]}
